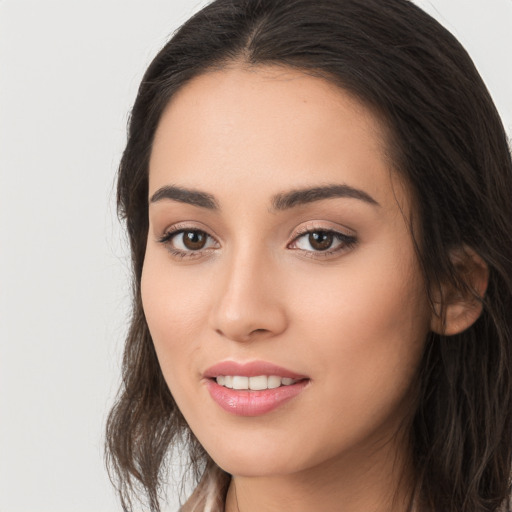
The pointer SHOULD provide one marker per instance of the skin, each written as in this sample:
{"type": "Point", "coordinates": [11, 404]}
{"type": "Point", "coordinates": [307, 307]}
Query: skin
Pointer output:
{"type": "Point", "coordinates": [353, 320]}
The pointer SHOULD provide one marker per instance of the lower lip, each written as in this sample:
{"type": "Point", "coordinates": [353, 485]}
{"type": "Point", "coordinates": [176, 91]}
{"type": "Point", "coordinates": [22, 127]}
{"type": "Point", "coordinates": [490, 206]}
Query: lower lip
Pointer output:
{"type": "Point", "coordinates": [253, 403]}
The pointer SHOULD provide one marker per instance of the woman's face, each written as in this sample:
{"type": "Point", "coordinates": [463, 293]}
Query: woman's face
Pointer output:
{"type": "Point", "coordinates": [278, 250]}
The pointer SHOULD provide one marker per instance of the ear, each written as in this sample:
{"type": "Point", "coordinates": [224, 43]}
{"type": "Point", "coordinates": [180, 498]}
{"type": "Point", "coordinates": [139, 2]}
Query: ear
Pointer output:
{"type": "Point", "coordinates": [457, 309]}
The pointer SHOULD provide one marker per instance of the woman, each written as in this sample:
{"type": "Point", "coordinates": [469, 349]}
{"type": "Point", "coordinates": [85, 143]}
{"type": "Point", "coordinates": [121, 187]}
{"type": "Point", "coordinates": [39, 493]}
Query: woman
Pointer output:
{"type": "Point", "coordinates": [317, 196]}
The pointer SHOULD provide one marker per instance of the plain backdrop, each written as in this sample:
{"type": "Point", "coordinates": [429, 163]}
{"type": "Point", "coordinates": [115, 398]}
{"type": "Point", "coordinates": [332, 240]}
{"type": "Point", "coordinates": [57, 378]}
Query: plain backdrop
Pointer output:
{"type": "Point", "coordinates": [69, 71]}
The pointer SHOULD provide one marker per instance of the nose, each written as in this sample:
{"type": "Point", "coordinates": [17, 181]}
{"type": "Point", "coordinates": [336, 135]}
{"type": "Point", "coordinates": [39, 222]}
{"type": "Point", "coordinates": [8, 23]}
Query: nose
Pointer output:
{"type": "Point", "coordinates": [248, 302]}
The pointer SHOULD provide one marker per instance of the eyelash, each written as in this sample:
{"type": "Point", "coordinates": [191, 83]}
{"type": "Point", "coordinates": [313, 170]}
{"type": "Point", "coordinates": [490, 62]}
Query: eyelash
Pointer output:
{"type": "Point", "coordinates": [168, 236]}
{"type": "Point", "coordinates": [346, 242]}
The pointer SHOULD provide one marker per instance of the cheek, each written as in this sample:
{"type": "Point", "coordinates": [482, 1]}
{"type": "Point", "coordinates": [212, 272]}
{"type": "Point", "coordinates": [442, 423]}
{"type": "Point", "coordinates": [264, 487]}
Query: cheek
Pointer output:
{"type": "Point", "coordinates": [369, 332]}
{"type": "Point", "coordinates": [173, 311]}
{"type": "Point", "coordinates": [376, 293]}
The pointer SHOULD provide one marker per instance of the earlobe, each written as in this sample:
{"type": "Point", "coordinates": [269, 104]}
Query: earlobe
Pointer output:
{"type": "Point", "coordinates": [458, 308]}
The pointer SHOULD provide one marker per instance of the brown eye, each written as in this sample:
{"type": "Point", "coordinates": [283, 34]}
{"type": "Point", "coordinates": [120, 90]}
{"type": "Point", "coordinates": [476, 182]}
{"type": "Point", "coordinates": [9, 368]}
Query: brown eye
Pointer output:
{"type": "Point", "coordinates": [320, 240]}
{"type": "Point", "coordinates": [188, 242]}
{"type": "Point", "coordinates": [323, 242]}
{"type": "Point", "coordinates": [194, 240]}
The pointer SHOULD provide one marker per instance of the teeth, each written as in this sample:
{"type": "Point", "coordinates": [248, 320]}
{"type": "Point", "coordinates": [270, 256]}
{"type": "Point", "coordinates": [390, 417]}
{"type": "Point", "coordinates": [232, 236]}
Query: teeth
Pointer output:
{"type": "Point", "coordinates": [273, 382]}
{"type": "Point", "coordinates": [258, 383]}
{"type": "Point", "coordinates": [240, 382]}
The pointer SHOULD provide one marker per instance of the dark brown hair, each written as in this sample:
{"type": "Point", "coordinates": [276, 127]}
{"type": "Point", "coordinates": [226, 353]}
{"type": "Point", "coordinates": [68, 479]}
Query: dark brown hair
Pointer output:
{"type": "Point", "coordinates": [449, 146]}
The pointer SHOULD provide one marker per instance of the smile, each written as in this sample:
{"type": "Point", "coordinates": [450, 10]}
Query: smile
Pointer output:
{"type": "Point", "coordinates": [257, 383]}
{"type": "Point", "coordinates": [252, 388]}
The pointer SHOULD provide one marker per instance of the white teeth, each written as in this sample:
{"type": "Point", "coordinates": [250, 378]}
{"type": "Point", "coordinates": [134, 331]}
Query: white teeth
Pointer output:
{"type": "Point", "coordinates": [240, 382]}
{"type": "Point", "coordinates": [257, 383]}
{"type": "Point", "coordinates": [274, 382]}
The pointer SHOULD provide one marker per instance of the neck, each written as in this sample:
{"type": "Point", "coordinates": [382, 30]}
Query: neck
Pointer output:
{"type": "Point", "coordinates": [372, 480]}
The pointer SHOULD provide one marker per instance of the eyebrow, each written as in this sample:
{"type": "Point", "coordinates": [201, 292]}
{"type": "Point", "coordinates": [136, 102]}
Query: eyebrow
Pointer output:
{"type": "Point", "coordinates": [184, 195]}
{"type": "Point", "coordinates": [309, 195]}
{"type": "Point", "coordinates": [280, 202]}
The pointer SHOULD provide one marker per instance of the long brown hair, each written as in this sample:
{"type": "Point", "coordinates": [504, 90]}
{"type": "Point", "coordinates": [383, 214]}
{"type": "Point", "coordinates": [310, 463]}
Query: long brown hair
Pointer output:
{"type": "Point", "coordinates": [450, 147]}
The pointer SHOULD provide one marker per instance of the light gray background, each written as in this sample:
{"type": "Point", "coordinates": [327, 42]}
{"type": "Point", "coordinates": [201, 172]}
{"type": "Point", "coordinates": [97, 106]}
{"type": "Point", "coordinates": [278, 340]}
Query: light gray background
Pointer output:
{"type": "Point", "coordinates": [69, 71]}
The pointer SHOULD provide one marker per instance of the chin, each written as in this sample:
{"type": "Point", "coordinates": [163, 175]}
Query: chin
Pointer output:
{"type": "Point", "coordinates": [270, 465]}
{"type": "Point", "coordinates": [262, 457]}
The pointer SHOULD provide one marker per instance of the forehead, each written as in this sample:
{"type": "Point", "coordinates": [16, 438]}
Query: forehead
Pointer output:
{"type": "Point", "coordinates": [265, 127]}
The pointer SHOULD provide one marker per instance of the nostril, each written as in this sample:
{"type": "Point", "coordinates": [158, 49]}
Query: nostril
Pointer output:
{"type": "Point", "coordinates": [242, 337]}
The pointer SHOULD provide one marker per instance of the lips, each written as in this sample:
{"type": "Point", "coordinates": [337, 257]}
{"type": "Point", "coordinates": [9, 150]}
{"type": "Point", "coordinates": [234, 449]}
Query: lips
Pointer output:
{"type": "Point", "coordinates": [254, 388]}
{"type": "Point", "coordinates": [250, 369]}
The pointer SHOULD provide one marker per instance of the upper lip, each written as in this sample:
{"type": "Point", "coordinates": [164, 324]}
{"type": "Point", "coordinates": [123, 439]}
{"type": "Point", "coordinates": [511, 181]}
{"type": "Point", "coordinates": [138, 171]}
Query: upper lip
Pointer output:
{"type": "Point", "coordinates": [250, 369]}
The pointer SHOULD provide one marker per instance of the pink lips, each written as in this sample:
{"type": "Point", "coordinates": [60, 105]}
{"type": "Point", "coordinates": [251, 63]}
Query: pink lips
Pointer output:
{"type": "Point", "coordinates": [252, 403]}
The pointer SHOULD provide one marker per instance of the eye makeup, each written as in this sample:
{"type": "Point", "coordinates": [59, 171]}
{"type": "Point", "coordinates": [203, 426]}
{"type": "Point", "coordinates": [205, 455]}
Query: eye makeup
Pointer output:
{"type": "Point", "coordinates": [322, 241]}
{"type": "Point", "coordinates": [187, 242]}
{"type": "Point", "coordinates": [313, 241]}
